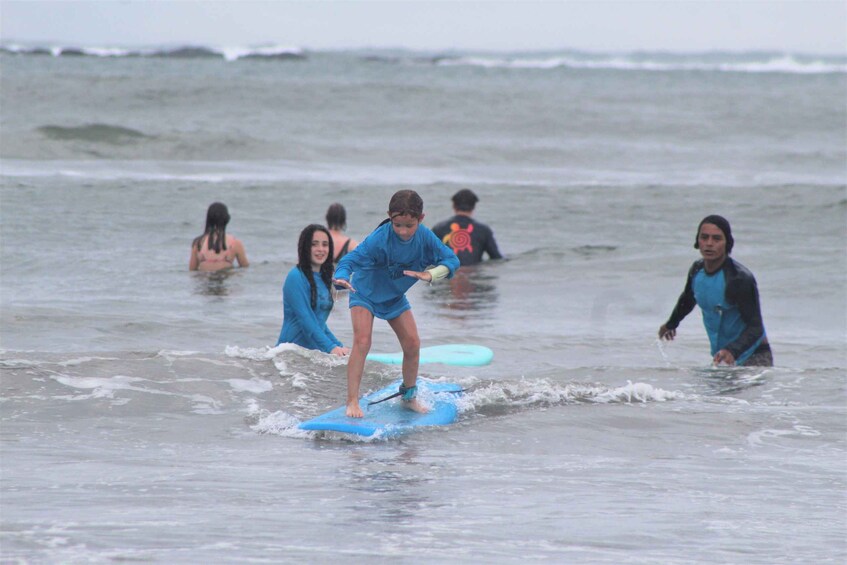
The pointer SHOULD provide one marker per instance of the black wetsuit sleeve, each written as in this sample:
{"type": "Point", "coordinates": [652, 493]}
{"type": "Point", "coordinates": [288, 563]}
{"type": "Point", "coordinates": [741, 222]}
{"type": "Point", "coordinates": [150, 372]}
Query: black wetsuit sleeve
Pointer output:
{"type": "Point", "coordinates": [491, 247]}
{"type": "Point", "coordinates": [686, 302]}
{"type": "Point", "coordinates": [744, 292]}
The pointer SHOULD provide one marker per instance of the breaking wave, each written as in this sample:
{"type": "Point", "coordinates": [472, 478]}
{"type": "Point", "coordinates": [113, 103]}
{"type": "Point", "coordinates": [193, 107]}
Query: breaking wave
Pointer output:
{"type": "Point", "coordinates": [725, 62]}
{"type": "Point", "coordinates": [273, 52]}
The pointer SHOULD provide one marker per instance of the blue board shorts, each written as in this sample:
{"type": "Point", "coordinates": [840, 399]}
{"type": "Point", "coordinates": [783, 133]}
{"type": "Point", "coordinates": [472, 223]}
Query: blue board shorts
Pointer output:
{"type": "Point", "coordinates": [382, 310]}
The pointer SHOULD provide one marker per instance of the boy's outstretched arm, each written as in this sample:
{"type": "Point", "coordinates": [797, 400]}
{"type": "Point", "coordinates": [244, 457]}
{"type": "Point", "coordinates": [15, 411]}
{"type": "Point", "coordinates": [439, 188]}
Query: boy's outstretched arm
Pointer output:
{"type": "Point", "coordinates": [430, 275]}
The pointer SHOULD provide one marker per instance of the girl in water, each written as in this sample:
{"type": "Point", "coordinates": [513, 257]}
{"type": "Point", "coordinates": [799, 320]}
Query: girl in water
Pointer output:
{"type": "Point", "coordinates": [214, 249]}
{"type": "Point", "coordinates": [396, 255]}
{"type": "Point", "coordinates": [336, 221]}
{"type": "Point", "coordinates": [307, 295]}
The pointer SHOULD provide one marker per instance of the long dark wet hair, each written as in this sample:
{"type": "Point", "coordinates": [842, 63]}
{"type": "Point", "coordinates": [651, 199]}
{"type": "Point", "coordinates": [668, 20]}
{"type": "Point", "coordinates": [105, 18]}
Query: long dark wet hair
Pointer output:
{"type": "Point", "coordinates": [304, 260]}
{"type": "Point", "coordinates": [217, 217]}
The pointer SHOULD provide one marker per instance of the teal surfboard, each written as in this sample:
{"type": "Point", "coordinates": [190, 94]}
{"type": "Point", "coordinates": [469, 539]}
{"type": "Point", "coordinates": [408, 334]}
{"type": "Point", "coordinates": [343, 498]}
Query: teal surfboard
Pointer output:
{"type": "Point", "coordinates": [390, 418]}
{"type": "Point", "coordinates": [461, 354]}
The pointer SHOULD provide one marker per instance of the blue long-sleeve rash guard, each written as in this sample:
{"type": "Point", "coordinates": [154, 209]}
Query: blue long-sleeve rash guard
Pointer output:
{"type": "Point", "coordinates": [301, 323]}
{"type": "Point", "coordinates": [729, 301]}
{"type": "Point", "coordinates": [378, 262]}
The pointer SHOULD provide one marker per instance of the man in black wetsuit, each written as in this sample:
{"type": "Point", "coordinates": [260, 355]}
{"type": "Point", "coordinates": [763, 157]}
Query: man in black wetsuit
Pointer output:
{"type": "Point", "coordinates": [468, 238]}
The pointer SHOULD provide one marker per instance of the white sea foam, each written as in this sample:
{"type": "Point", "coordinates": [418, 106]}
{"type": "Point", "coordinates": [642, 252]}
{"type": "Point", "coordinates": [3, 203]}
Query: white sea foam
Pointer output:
{"type": "Point", "coordinates": [101, 387]}
{"type": "Point", "coordinates": [237, 52]}
{"type": "Point", "coordinates": [300, 381]}
{"type": "Point", "coordinates": [769, 436]}
{"type": "Point", "coordinates": [118, 382]}
{"type": "Point", "coordinates": [274, 353]}
{"type": "Point", "coordinates": [279, 423]}
{"type": "Point", "coordinates": [762, 437]}
{"type": "Point", "coordinates": [82, 360]}
{"type": "Point", "coordinates": [229, 53]}
{"type": "Point", "coordinates": [108, 387]}
{"type": "Point", "coordinates": [256, 386]}
{"type": "Point", "coordinates": [20, 363]}
{"type": "Point", "coordinates": [775, 64]}
{"type": "Point", "coordinates": [253, 353]}
{"type": "Point", "coordinates": [544, 392]}
{"type": "Point", "coordinates": [638, 392]}
{"type": "Point", "coordinates": [167, 353]}
{"type": "Point", "coordinates": [106, 51]}
{"type": "Point", "coordinates": [206, 405]}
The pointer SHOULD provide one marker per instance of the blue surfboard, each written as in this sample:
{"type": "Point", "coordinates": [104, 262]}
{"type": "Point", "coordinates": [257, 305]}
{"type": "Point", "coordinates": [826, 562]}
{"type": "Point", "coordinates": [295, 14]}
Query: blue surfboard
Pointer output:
{"type": "Point", "coordinates": [461, 354]}
{"type": "Point", "coordinates": [390, 418]}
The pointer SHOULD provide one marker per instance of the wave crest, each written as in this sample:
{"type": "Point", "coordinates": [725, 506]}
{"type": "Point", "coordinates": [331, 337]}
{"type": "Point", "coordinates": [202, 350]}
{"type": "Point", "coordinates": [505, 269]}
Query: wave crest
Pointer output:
{"type": "Point", "coordinates": [277, 52]}
{"type": "Point", "coordinates": [725, 62]}
{"type": "Point", "coordinates": [790, 64]}
{"type": "Point", "coordinates": [97, 133]}
{"type": "Point", "coordinates": [510, 395]}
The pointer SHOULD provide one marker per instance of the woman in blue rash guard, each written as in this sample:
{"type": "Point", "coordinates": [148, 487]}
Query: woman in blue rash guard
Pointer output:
{"type": "Point", "coordinates": [728, 297]}
{"type": "Point", "coordinates": [307, 294]}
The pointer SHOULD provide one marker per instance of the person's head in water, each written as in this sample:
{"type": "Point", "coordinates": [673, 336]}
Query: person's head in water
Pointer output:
{"type": "Point", "coordinates": [406, 203]}
{"type": "Point", "coordinates": [336, 217]}
{"type": "Point", "coordinates": [721, 223]}
{"type": "Point", "coordinates": [465, 200]}
{"type": "Point", "coordinates": [405, 210]}
{"type": "Point", "coordinates": [309, 247]}
{"type": "Point", "coordinates": [217, 217]}
{"type": "Point", "coordinates": [714, 238]}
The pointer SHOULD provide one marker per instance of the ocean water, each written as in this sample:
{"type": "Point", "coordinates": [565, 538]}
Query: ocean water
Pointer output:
{"type": "Point", "coordinates": [146, 415]}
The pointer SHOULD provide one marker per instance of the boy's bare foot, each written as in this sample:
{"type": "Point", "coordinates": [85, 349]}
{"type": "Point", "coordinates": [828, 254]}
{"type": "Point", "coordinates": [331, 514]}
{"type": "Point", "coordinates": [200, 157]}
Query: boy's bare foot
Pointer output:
{"type": "Point", "coordinates": [354, 410]}
{"type": "Point", "coordinates": [416, 406]}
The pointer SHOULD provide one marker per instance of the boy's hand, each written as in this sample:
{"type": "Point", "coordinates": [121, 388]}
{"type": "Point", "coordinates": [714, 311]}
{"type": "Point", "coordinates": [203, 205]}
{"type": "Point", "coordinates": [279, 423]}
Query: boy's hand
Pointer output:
{"type": "Point", "coordinates": [421, 276]}
{"type": "Point", "coordinates": [665, 333]}
{"type": "Point", "coordinates": [724, 357]}
{"type": "Point", "coordinates": [344, 284]}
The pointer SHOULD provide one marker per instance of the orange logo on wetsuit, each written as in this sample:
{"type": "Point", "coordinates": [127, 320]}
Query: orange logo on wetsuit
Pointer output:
{"type": "Point", "coordinates": [459, 239]}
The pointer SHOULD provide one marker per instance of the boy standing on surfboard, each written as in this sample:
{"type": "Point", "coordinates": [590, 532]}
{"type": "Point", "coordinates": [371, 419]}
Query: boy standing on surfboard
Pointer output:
{"type": "Point", "coordinates": [386, 264]}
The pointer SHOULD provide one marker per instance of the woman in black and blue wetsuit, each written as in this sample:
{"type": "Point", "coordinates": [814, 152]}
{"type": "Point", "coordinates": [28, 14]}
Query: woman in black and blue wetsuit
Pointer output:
{"type": "Point", "coordinates": [728, 297]}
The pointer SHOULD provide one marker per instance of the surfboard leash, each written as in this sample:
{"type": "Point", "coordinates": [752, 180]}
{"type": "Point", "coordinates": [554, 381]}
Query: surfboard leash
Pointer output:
{"type": "Point", "coordinates": [405, 390]}
{"type": "Point", "coordinates": [389, 397]}
{"type": "Point", "coordinates": [408, 392]}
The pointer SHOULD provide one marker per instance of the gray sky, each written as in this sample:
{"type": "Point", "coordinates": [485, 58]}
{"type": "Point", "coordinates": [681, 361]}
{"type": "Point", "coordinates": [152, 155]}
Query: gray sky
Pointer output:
{"type": "Point", "coordinates": [811, 26]}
